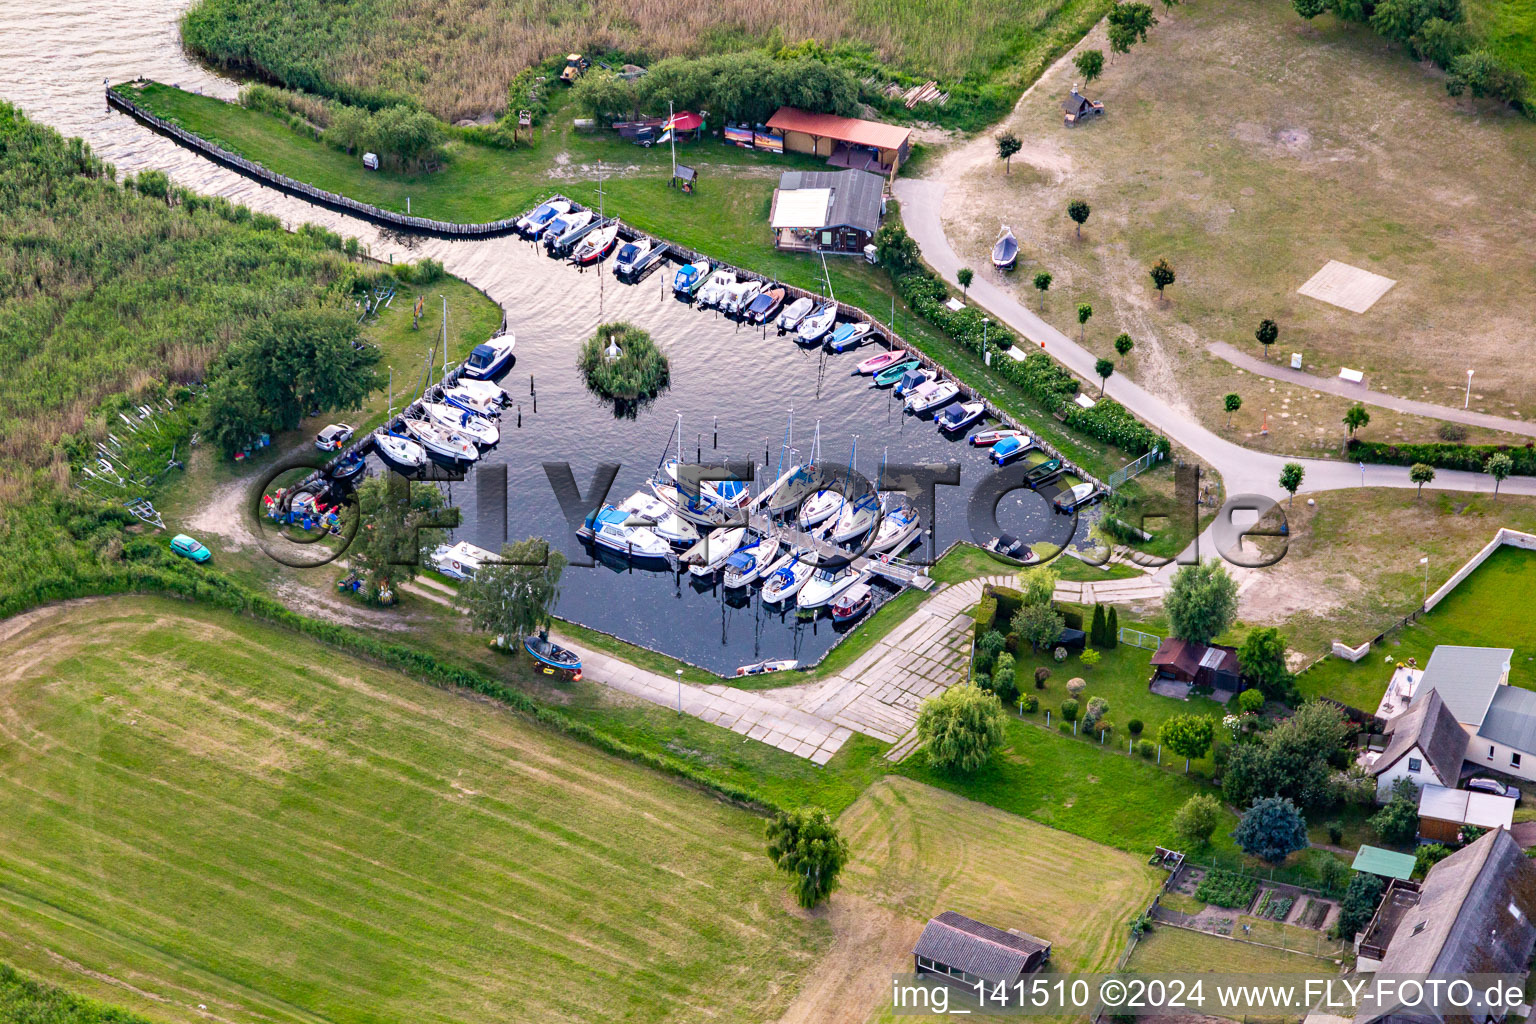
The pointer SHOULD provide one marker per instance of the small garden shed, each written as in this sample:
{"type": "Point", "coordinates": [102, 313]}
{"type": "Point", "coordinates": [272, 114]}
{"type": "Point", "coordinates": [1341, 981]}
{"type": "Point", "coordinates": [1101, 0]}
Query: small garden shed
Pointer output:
{"type": "Point", "coordinates": [955, 948]}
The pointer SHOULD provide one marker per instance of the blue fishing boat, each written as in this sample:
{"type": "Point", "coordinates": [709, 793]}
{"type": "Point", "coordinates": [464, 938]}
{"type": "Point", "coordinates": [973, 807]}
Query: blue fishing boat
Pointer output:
{"type": "Point", "coordinates": [690, 279]}
{"type": "Point", "coordinates": [552, 657]}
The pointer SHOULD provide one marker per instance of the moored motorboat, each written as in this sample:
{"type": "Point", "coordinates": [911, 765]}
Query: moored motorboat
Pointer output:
{"type": "Point", "coordinates": [854, 602]}
{"type": "Point", "coordinates": [826, 586]}
{"type": "Point", "coordinates": [957, 417]}
{"type": "Point", "coordinates": [709, 554]}
{"type": "Point", "coordinates": [795, 312]}
{"type": "Point", "coordinates": [1005, 253]}
{"type": "Point", "coordinates": [1010, 448]}
{"type": "Point", "coordinates": [613, 528]}
{"type": "Point", "coordinates": [552, 657]}
{"type": "Point", "coordinates": [764, 305]}
{"type": "Point", "coordinates": [1075, 497]}
{"type": "Point", "coordinates": [786, 578]}
{"type": "Point", "coordinates": [1043, 472]}
{"type": "Point", "coordinates": [758, 668]}
{"type": "Point", "coordinates": [849, 336]}
{"type": "Point", "coordinates": [490, 357]}
{"type": "Point", "coordinates": [441, 442]}
{"type": "Point", "coordinates": [662, 519]}
{"type": "Point", "coordinates": [715, 288]}
{"type": "Point", "coordinates": [691, 278]}
{"type": "Point", "coordinates": [596, 245]}
{"type": "Point", "coordinates": [736, 298]}
{"type": "Point", "coordinates": [874, 364]}
{"type": "Point", "coordinates": [564, 225]}
{"type": "Point", "coordinates": [912, 380]}
{"type": "Point", "coordinates": [892, 374]}
{"type": "Point", "coordinates": [481, 430]}
{"type": "Point", "coordinates": [400, 453]}
{"type": "Point", "coordinates": [932, 395]}
{"type": "Point", "coordinates": [817, 323]}
{"type": "Point", "coordinates": [630, 255]}
{"type": "Point", "coordinates": [988, 438]}
{"type": "Point", "coordinates": [485, 396]}
{"type": "Point", "coordinates": [532, 223]}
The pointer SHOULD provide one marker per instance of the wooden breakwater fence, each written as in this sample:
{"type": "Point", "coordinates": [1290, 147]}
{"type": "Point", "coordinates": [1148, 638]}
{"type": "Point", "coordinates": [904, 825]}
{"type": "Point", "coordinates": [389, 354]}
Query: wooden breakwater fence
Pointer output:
{"type": "Point", "coordinates": [299, 189]}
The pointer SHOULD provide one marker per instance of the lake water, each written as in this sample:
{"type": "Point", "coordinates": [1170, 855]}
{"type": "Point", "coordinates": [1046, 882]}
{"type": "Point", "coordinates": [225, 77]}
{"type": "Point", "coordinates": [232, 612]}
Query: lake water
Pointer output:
{"type": "Point", "coordinates": [732, 385]}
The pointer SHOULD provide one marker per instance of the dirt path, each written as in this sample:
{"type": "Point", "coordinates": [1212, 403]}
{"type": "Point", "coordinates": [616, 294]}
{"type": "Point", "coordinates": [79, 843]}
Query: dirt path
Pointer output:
{"type": "Point", "coordinates": [871, 943]}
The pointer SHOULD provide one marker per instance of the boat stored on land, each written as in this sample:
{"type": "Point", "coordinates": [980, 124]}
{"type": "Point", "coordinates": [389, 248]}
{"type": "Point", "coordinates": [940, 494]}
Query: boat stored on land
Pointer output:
{"type": "Point", "coordinates": [957, 417]}
{"type": "Point", "coordinates": [893, 374]}
{"type": "Point", "coordinates": [817, 323]}
{"type": "Point", "coordinates": [1076, 497]}
{"type": "Point", "coordinates": [1010, 448]}
{"type": "Point", "coordinates": [460, 560]}
{"type": "Point", "coordinates": [552, 657]}
{"type": "Point", "coordinates": [1034, 476]}
{"type": "Point", "coordinates": [849, 336]}
{"type": "Point", "coordinates": [1005, 253]}
{"type": "Point", "coordinates": [691, 278]}
{"type": "Point", "coordinates": [795, 312]}
{"type": "Point", "coordinates": [490, 358]}
{"type": "Point", "coordinates": [764, 305]}
{"type": "Point", "coordinates": [758, 668]}
{"type": "Point", "coordinates": [874, 364]}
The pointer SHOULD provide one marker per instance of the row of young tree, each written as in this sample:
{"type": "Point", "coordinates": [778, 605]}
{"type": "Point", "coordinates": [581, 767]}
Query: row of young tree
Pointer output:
{"type": "Point", "coordinates": [738, 86]}
{"type": "Point", "coordinates": [400, 134]}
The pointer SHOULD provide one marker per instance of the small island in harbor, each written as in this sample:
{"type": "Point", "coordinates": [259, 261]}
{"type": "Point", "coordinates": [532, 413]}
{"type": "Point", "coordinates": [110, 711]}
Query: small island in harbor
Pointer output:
{"type": "Point", "coordinates": [621, 362]}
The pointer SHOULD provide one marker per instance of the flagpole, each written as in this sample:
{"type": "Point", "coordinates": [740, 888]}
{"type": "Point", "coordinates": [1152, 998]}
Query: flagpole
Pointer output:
{"type": "Point", "coordinates": [672, 137]}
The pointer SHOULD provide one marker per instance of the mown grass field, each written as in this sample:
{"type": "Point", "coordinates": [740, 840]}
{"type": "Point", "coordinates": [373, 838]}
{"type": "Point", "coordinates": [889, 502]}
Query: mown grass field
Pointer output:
{"type": "Point", "coordinates": [1484, 611]}
{"type": "Point", "coordinates": [1249, 147]}
{"type": "Point", "coordinates": [1508, 28]}
{"type": "Point", "coordinates": [204, 810]}
{"type": "Point", "coordinates": [1167, 950]}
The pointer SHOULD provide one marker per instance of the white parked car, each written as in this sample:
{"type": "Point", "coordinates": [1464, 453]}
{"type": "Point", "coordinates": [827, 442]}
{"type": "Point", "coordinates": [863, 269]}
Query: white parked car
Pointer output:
{"type": "Point", "coordinates": [333, 437]}
{"type": "Point", "coordinates": [1493, 786]}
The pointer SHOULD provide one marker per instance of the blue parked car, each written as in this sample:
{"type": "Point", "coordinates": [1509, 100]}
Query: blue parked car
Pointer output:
{"type": "Point", "coordinates": [186, 547]}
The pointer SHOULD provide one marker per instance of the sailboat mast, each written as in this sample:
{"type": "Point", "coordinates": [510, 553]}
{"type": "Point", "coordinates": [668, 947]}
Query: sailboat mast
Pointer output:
{"type": "Point", "coordinates": [672, 137]}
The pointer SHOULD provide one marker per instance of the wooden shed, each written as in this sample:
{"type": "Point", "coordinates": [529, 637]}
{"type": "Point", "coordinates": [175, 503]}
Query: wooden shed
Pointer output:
{"type": "Point", "coordinates": [957, 949]}
{"type": "Point", "coordinates": [1443, 812]}
{"type": "Point", "coordinates": [845, 141]}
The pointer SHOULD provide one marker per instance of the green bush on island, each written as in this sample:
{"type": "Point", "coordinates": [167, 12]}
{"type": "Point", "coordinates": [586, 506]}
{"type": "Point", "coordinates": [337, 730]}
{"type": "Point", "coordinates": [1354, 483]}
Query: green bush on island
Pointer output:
{"type": "Point", "coordinates": [638, 373]}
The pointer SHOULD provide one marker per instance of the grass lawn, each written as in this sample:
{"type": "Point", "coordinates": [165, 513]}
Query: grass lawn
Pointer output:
{"type": "Point", "coordinates": [1508, 28]}
{"type": "Point", "coordinates": [1484, 611]}
{"type": "Point", "coordinates": [1248, 175]}
{"type": "Point", "coordinates": [206, 810]}
{"type": "Point", "coordinates": [1165, 950]}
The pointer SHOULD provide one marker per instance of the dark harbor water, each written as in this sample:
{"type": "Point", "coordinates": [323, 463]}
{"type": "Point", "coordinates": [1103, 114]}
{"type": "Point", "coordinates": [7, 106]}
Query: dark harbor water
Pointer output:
{"type": "Point", "coordinates": [734, 386]}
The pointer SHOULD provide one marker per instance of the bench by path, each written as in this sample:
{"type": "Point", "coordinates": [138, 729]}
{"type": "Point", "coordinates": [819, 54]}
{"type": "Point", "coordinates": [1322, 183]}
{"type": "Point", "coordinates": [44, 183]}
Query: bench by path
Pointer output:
{"type": "Point", "coordinates": [1362, 393]}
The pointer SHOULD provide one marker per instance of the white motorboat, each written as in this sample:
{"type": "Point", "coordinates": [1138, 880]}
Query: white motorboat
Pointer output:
{"type": "Point", "coordinates": [447, 444]}
{"type": "Point", "coordinates": [911, 380]}
{"type": "Point", "coordinates": [716, 287]}
{"type": "Point", "coordinates": [932, 395]}
{"type": "Point", "coordinates": [489, 358]}
{"type": "Point", "coordinates": [795, 312]}
{"type": "Point", "coordinates": [532, 223]}
{"type": "Point", "coordinates": [748, 562]}
{"type": "Point", "coordinates": [1080, 494]}
{"type": "Point", "coordinates": [565, 225]}
{"type": "Point", "coordinates": [461, 560]}
{"type": "Point", "coordinates": [856, 518]}
{"type": "Point", "coordinates": [478, 428]}
{"type": "Point", "coordinates": [957, 417]}
{"type": "Point", "coordinates": [758, 668]}
{"type": "Point", "coordinates": [826, 585]}
{"type": "Point", "coordinates": [900, 524]}
{"type": "Point", "coordinates": [630, 254]}
{"type": "Point", "coordinates": [664, 520]}
{"type": "Point", "coordinates": [737, 297]}
{"type": "Point", "coordinates": [849, 336]}
{"type": "Point", "coordinates": [691, 278]}
{"type": "Point", "coordinates": [484, 396]}
{"type": "Point", "coordinates": [400, 453]}
{"type": "Point", "coordinates": [611, 527]}
{"type": "Point", "coordinates": [708, 556]}
{"type": "Point", "coordinates": [817, 323]}
{"type": "Point", "coordinates": [785, 578]}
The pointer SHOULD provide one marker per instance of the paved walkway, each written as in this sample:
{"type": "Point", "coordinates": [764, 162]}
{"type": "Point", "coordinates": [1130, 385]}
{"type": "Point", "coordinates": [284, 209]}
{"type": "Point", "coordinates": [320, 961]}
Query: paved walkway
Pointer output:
{"type": "Point", "coordinates": [1362, 392]}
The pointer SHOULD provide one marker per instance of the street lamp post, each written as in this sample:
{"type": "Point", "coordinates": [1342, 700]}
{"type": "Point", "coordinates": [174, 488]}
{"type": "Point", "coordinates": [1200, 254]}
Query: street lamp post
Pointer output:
{"type": "Point", "coordinates": [1467, 404]}
{"type": "Point", "coordinates": [679, 691]}
{"type": "Point", "coordinates": [986, 357]}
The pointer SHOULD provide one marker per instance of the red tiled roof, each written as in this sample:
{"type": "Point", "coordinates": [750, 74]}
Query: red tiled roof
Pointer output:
{"type": "Point", "coordinates": [843, 129]}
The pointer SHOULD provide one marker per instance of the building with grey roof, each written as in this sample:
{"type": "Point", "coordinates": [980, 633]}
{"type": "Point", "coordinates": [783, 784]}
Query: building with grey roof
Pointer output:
{"type": "Point", "coordinates": [1466, 679]}
{"type": "Point", "coordinates": [956, 948]}
{"type": "Point", "coordinates": [1425, 745]}
{"type": "Point", "coordinates": [827, 211]}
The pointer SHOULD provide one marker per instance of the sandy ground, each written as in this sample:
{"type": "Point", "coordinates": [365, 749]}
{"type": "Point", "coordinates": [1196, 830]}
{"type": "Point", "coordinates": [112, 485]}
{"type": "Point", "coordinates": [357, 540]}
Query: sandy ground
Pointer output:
{"type": "Point", "coordinates": [871, 943]}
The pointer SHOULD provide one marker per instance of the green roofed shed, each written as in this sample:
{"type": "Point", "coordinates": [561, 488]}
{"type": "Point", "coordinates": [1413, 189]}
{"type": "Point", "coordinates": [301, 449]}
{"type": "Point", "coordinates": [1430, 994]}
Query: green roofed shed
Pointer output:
{"type": "Point", "coordinates": [1376, 861]}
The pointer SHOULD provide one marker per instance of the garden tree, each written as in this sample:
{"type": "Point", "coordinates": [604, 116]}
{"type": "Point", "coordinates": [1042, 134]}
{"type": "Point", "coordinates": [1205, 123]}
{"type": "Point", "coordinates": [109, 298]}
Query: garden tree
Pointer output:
{"type": "Point", "coordinates": [1090, 64]}
{"type": "Point", "coordinates": [1441, 41]}
{"type": "Point", "coordinates": [1309, 9]}
{"type": "Point", "coordinates": [897, 250]}
{"type": "Point", "coordinates": [1267, 333]}
{"type": "Point", "coordinates": [1096, 629]}
{"type": "Point", "coordinates": [1271, 830]}
{"type": "Point", "coordinates": [1231, 403]}
{"type": "Point", "coordinates": [1038, 624]}
{"type": "Point", "coordinates": [1250, 702]}
{"type": "Point", "coordinates": [1356, 417]}
{"type": "Point", "coordinates": [1007, 145]}
{"type": "Point", "coordinates": [1397, 823]}
{"type": "Point", "coordinates": [1498, 466]}
{"type": "Point", "coordinates": [605, 96]}
{"type": "Point", "coordinates": [1162, 276]}
{"type": "Point", "coordinates": [1003, 683]}
{"type": "Point", "coordinates": [960, 728]}
{"type": "Point", "coordinates": [1427, 856]}
{"type": "Point", "coordinates": [991, 645]}
{"type": "Point", "coordinates": [1358, 905]}
{"type": "Point", "coordinates": [1128, 25]}
{"type": "Point", "coordinates": [1290, 760]}
{"type": "Point", "coordinates": [1069, 708]}
{"type": "Point", "coordinates": [1089, 657]}
{"type": "Point", "coordinates": [1038, 585]}
{"type": "Point", "coordinates": [1261, 658]}
{"type": "Point", "coordinates": [1187, 735]}
{"type": "Point", "coordinates": [515, 597]}
{"type": "Point", "coordinates": [1078, 210]}
{"type": "Point", "coordinates": [1042, 282]}
{"type": "Point", "coordinates": [1097, 708]}
{"type": "Point", "coordinates": [805, 844]}
{"type": "Point", "coordinates": [289, 364]}
{"type": "Point", "coordinates": [1084, 314]}
{"type": "Point", "coordinates": [1482, 74]}
{"type": "Point", "coordinates": [1421, 473]}
{"type": "Point", "coordinates": [1196, 821]}
{"type": "Point", "coordinates": [1331, 873]}
{"type": "Point", "coordinates": [1112, 628]}
{"type": "Point", "coordinates": [393, 538]}
{"type": "Point", "coordinates": [1104, 368]}
{"type": "Point", "coordinates": [1291, 475]}
{"type": "Point", "coordinates": [1201, 602]}
{"type": "Point", "coordinates": [1124, 344]}
{"type": "Point", "coordinates": [965, 275]}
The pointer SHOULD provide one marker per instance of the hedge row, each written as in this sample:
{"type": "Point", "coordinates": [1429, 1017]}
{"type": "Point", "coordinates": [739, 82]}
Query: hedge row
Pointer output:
{"type": "Point", "coordinates": [1037, 374]}
{"type": "Point", "coordinates": [1445, 455]}
{"type": "Point", "coordinates": [221, 592]}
